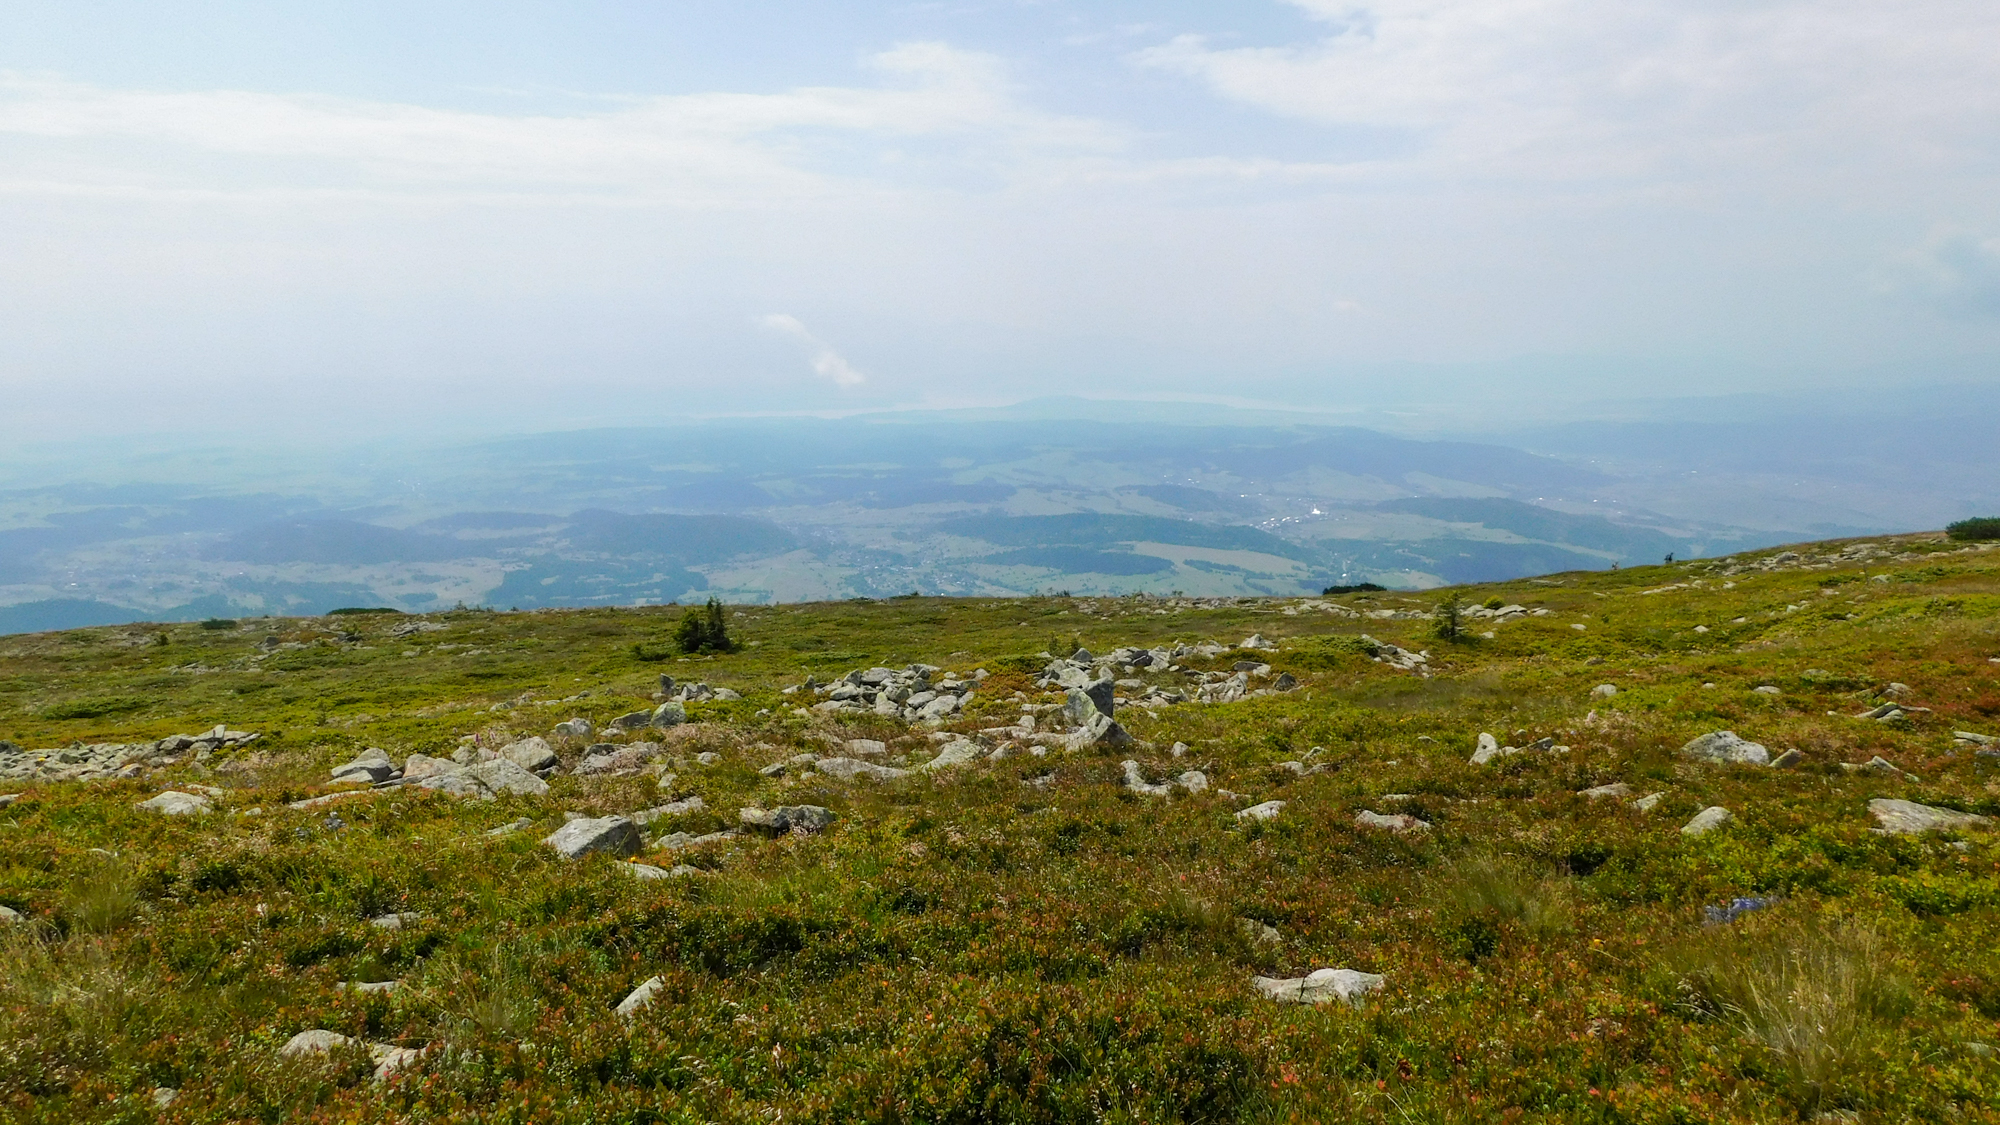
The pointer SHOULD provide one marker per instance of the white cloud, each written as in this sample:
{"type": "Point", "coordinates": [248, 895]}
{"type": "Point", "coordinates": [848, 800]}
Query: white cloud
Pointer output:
{"type": "Point", "coordinates": [825, 361]}
{"type": "Point", "coordinates": [710, 149]}
{"type": "Point", "coordinates": [1955, 272]}
{"type": "Point", "coordinates": [1659, 89]}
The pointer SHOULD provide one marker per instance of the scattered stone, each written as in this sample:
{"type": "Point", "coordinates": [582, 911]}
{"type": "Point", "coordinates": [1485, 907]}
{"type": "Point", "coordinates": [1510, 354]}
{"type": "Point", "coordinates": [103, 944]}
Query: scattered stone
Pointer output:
{"type": "Point", "coordinates": [163, 1096]}
{"type": "Point", "coordinates": [866, 748]}
{"type": "Point", "coordinates": [393, 921]}
{"type": "Point", "coordinates": [1906, 818]}
{"type": "Point", "coordinates": [1877, 764]}
{"type": "Point", "coordinates": [1265, 811]}
{"type": "Point", "coordinates": [1971, 739]}
{"type": "Point", "coordinates": [613, 835]}
{"type": "Point", "coordinates": [1736, 908]}
{"type": "Point", "coordinates": [847, 769]}
{"type": "Point", "coordinates": [315, 1042]}
{"type": "Point", "coordinates": [633, 720]}
{"type": "Point", "coordinates": [787, 818]}
{"type": "Point", "coordinates": [669, 714]}
{"type": "Point", "coordinates": [708, 757]}
{"type": "Point", "coordinates": [1648, 802]}
{"type": "Point", "coordinates": [391, 1060]}
{"type": "Point", "coordinates": [1179, 750]}
{"type": "Point", "coordinates": [1099, 730]}
{"type": "Point", "coordinates": [672, 808]}
{"type": "Point", "coordinates": [1256, 641]}
{"type": "Point", "coordinates": [1258, 932]}
{"type": "Point", "coordinates": [1194, 781]}
{"type": "Point", "coordinates": [1617, 789]}
{"type": "Point", "coordinates": [1725, 746]}
{"type": "Point", "coordinates": [1790, 759]}
{"type": "Point", "coordinates": [1320, 986]}
{"type": "Point", "coordinates": [9, 914]}
{"type": "Point", "coordinates": [511, 827]}
{"type": "Point", "coordinates": [1488, 748]}
{"type": "Point", "coordinates": [175, 803]}
{"type": "Point", "coordinates": [640, 996]}
{"type": "Point", "coordinates": [578, 727]}
{"type": "Point", "coordinates": [531, 754]}
{"type": "Point", "coordinates": [1766, 689]}
{"type": "Point", "coordinates": [960, 753]}
{"type": "Point", "coordinates": [1604, 691]}
{"type": "Point", "coordinates": [419, 766]}
{"type": "Point", "coordinates": [8, 799]}
{"type": "Point", "coordinates": [1394, 822]}
{"type": "Point", "coordinates": [372, 986]}
{"type": "Point", "coordinates": [1707, 820]}
{"type": "Point", "coordinates": [370, 766]}
{"type": "Point", "coordinates": [1137, 783]}
{"type": "Point", "coordinates": [504, 775]}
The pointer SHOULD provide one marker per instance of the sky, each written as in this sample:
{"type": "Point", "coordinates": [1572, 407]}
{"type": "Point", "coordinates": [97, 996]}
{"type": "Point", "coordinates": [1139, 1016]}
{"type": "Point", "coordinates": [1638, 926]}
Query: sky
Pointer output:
{"type": "Point", "coordinates": [451, 217]}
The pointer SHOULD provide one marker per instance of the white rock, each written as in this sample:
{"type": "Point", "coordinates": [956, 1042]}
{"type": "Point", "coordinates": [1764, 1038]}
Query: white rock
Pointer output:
{"type": "Point", "coordinates": [531, 754]}
{"type": "Point", "coordinates": [613, 835]}
{"type": "Point", "coordinates": [504, 775]}
{"type": "Point", "coordinates": [1137, 783]}
{"type": "Point", "coordinates": [1265, 811]}
{"type": "Point", "coordinates": [1767, 689]}
{"type": "Point", "coordinates": [1616, 789]}
{"type": "Point", "coordinates": [1604, 691]}
{"type": "Point", "coordinates": [961, 753]}
{"type": "Point", "coordinates": [866, 748]}
{"type": "Point", "coordinates": [1488, 749]}
{"type": "Point", "coordinates": [1707, 820]}
{"type": "Point", "coordinates": [1394, 822]}
{"type": "Point", "coordinates": [419, 766]}
{"type": "Point", "coordinates": [671, 808]}
{"type": "Point", "coordinates": [9, 914]}
{"type": "Point", "coordinates": [314, 1042]}
{"type": "Point", "coordinates": [1648, 802]}
{"type": "Point", "coordinates": [163, 1096]}
{"type": "Point", "coordinates": [1321, 986]}
{"type": "Point", "coordinates": [847, 769]}
{"type": "Point", "coordinates": [391, 1059]}
{"type": "Point", "coordinates": [640, 996]}
{"type": "Point", "coordinates": [393, 921]}
{"type": "Point", "coordinates": [578, 727]}
{"type": "Point", "coordinates": [1194, 781]}
{"type": "Point", "coordinates": [1902, 818]}
{"type": "Point", "coordinates": [175, 803]}
{"type": "Point", "coordinates": [1726, 746]}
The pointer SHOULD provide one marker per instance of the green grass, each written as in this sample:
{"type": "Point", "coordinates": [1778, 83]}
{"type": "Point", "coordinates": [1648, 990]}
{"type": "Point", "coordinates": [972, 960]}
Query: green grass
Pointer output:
{"type": "Point", "coordinates": [967, 948]}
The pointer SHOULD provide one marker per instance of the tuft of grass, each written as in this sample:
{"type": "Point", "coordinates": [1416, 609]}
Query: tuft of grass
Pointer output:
{"type": "Point", "coordinates": [1488, 898]}
{"type": "Point", "coordinates": [102, 901]}
{"type": "Point", "coordinates": [1822, 1001]}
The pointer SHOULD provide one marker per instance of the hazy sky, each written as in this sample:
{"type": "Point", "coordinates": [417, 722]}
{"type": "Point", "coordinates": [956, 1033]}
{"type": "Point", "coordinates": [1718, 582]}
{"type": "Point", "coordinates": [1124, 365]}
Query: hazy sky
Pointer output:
{"type": "Point", "coordinates": [533, 215]}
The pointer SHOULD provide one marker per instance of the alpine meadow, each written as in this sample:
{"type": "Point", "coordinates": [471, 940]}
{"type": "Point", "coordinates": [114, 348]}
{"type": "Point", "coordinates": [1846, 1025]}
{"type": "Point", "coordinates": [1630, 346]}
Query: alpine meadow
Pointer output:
{"type": "Point", "coordinates": [1701, 841]}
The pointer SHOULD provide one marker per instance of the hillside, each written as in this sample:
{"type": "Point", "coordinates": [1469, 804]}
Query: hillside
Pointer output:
{"type": "Point", "coordinates": [913, 874]}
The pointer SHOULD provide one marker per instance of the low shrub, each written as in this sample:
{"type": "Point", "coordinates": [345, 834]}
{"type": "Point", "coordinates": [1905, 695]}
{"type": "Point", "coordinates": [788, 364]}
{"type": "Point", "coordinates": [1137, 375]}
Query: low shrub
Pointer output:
{"type": "Point", "coordinates": [1982, 527]}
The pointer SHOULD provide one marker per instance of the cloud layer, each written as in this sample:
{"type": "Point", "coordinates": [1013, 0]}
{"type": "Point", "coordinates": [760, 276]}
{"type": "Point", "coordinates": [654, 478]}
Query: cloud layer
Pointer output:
{"type": "Point", "coordinates": [1649, 196]}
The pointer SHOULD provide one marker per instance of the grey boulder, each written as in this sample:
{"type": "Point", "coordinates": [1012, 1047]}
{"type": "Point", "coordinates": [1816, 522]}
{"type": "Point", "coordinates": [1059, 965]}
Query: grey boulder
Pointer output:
{"type": "Point", "coordinates": [531, 754]}
{"type": "Point", "coordinates": [1905, 818]}
{"type": "Point", "coordinates": [640, 996]}
{"type": "Point", "coordinates": [1707, 820]}
{"type": "Point", "coordinates": [1726, 746]}
{"type": "Point", "coordinates": [787, 818]}
{"type": "Point", "coordinates": [175, 803]}
{"type": "Point", "coordinates": [959, 753]}
{"type": "Point", "coordinates": [1099, 729]}
{"type": "Point", "coordinates": [847, 769]}
{"type": "Point", "coordinates": [370, 766]}
{"type": "Point", "coordinates": [613, 835]}
{"type": "Point", "coordinates": [1321, 986]}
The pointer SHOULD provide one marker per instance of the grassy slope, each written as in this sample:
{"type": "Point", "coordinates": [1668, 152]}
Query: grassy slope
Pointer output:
{"type": "Point", "coordinates": [966, 948]}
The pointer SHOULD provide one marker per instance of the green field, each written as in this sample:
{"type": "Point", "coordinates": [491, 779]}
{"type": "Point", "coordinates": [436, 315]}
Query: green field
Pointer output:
{"type": "Point", "coordinates": [1028, 940]}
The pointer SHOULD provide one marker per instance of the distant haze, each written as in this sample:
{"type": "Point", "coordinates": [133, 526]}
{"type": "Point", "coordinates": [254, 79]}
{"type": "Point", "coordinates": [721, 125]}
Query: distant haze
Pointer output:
{"type": "Point", "coordinates": [324, 223]}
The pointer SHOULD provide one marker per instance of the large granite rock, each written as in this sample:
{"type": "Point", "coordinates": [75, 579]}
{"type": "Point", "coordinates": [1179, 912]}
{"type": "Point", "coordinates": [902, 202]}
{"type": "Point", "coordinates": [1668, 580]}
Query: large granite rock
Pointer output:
{"type": "Point", "coordinates": [613, 835]}
{"type": "Point", "coordinates": [1907, 818]}
{"type": "Point", "coordinates": [1321, 986]}
{"type": "Point", "coordinates": [1726, 746]}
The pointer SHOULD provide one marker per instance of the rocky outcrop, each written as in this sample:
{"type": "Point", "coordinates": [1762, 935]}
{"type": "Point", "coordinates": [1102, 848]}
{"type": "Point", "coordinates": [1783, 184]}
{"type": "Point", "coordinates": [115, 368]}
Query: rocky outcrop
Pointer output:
{"type": "Point", "coordinates": [116, 759]}
{"type": "Point", "coordinates": [612, 835]}
{"type": "Point", "coordinates": [1321, 986]}
{"type": "Point", "coordinates": [1908, 818]}
{"type": "Point", "coordinates": [1726, 746]}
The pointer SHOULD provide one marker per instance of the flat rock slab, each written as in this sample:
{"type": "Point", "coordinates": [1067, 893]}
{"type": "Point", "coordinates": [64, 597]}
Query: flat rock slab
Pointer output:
{"type": "Point", "coordinates": [963, 752]}
{"type": "Point", "coordinates": [1616, 789]}
{"type": "Point", "coordinates": [531, 754]}
{"type": "Point", "coordinates": [1707, 820]}
{"type": "Point", "coordinates": [1905, 818]}
{"type": "Point", "coordinates": [1393, 822]}
{"type": "Point", "coordinates": [613, 835]}
{"type": "Point", "coordinates": [1265, 811]}
{"type": "Point", "coordinates": [640, 996]}
{"type": "Point", "coordinates": [1726, 746]}
{"type": "Point", "coordinates": [671, 808]}
{"type": "Point", "coordinates": [847, 769]}
{"type": "Point", "coordinates": [1321, 986]}
{"type": "Point", "coordinates": [175, 803]}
